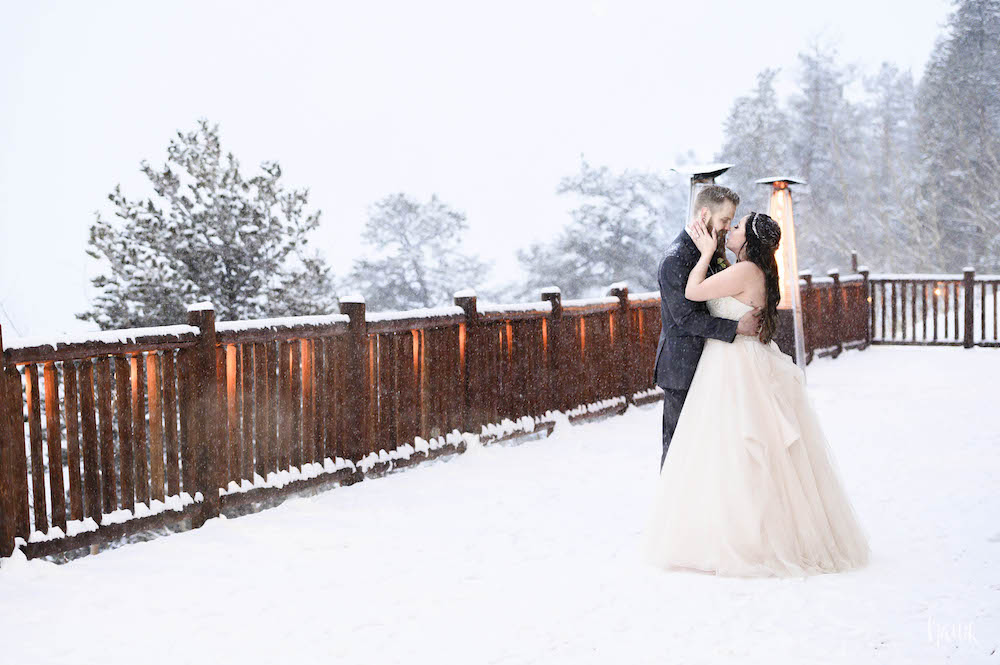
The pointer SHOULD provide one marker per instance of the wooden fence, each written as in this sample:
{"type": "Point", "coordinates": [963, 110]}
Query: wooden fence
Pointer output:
{"type": "Point", "coordinates": [128, 430]}
{"type": "Point", "coordinates": [949, 310]}
{"type": "Point", "coordinates": [123, 431]}
{"type": "Point", "coordinates": [834, 313]}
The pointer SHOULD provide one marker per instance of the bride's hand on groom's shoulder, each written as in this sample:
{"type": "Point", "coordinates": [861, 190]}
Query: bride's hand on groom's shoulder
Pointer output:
{"type": "Point", "coordinates": [706, 241]}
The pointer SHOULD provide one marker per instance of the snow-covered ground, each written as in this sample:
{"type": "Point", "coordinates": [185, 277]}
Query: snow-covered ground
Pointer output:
{"type": "Point", "coordinates": [529, 554]}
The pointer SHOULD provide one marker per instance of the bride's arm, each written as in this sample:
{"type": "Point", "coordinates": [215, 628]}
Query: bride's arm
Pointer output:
{"type": "Point", "coordinates": [730, 282]}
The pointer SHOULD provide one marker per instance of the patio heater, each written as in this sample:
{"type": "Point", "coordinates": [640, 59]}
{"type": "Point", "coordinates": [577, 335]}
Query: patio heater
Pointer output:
{"type": "Point", "coordinates": [789, 336]}
{"type": "Point", "coordinates": [701, 175]}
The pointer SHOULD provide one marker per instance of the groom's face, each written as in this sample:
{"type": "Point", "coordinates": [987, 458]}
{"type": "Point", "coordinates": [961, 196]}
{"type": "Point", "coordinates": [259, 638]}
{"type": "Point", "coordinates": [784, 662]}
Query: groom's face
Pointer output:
{"type": "Point", "coordinates": [720, 219]}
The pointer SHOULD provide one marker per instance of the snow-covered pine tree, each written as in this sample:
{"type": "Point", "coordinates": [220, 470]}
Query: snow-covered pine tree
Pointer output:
{"type": "Point", "coordinates": [959, 115]}
{"type": "Point", "coordinates": [827, 143]}
{"type": "Point", "coordinates": [757, 141]}
{"type": "Point", "coordinates": [892, 165]}
{"type": "Point", "coordinates": [209, 233]}
{"type": "Point", "coordinates": [414, 255]}
{"type": "Point", "coordinates": [619, 230]}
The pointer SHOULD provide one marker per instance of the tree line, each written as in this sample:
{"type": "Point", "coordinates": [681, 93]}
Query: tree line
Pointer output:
{"type": "Point", "coordinates": [906, 172]}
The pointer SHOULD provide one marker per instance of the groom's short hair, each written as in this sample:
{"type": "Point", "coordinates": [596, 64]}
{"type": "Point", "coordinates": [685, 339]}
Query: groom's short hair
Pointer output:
{"type": "Point", "coordinates": [713, 196]}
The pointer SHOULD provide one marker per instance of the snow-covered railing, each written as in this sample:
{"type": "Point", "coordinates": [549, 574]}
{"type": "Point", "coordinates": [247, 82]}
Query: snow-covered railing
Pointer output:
{"type": "Point", "coordinates": [834, 313]}
{"type": "Point", "coordinates": [415, 319]}
{"type": "Point", "coordinates": [83, 345]}
{"type": "Point", "coordinates": [284, 328]}
{"type": "Point", "coordinates": [222, 412]}
{"type": "Point", "coordinates": [935, 309]}
{"type": "Point", "coordinates": [519, 311]}
{"type": "Point", "coordinates": [647, 298]}
{"type": "Point", "coordinates": [590, 305]}
{"type": "Point", "coordinates": [163, 424]}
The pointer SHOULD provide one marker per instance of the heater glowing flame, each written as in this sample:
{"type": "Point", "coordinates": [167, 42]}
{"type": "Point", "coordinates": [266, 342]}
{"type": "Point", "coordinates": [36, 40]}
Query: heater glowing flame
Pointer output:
{"type": "Point", "coordinates": [786, 258]}
{"type": "Point", "coordinates": [788, 270]}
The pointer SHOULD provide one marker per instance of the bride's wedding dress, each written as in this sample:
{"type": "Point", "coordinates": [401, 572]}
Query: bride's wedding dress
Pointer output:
{"type": "Point", "coordinates": [749, 486]}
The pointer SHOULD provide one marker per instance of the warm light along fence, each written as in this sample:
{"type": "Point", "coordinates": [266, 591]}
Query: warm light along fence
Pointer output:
{"type": "Point", "coordinates": [130, 430]}
{"type": "Point", "coordinates": [944, 310]}
{"type": "Point", "coordinates": [834, 312]}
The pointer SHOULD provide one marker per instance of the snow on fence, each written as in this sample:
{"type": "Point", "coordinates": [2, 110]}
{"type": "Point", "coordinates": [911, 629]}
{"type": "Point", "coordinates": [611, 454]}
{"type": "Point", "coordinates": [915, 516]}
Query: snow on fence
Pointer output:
{"type": "Point", "coordinates": [834, 314]}
{"type": "Point", "coordinates": [951, 310]}
{"type": "Point", "coordinates": [123, 431]}
{"type": "Point", "coordinates": [111, 433]}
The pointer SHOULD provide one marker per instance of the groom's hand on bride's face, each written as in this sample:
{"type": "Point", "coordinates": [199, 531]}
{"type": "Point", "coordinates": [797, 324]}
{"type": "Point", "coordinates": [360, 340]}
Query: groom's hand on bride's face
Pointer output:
{"type": "Point", "coordinates": [749, 324]}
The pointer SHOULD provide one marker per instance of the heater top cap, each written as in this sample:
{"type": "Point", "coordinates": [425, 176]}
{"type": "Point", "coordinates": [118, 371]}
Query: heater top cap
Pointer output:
{"type": "Point", "coordinates": [698, 171]}
{"type": "Point", "coordinates": [774, 179]}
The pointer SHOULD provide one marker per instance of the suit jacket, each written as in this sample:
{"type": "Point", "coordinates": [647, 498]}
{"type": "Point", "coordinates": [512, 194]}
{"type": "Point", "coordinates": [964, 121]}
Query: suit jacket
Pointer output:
{"type": "Point", "coordinates": [685, 323]}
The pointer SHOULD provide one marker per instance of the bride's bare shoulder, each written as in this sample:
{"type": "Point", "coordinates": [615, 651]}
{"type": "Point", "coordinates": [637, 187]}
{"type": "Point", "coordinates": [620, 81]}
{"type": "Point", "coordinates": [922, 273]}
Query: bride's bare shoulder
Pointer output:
{"type": "Point", "coordinates": [749, 273]}
{"type": "Point", "coordinates": [747, 269]}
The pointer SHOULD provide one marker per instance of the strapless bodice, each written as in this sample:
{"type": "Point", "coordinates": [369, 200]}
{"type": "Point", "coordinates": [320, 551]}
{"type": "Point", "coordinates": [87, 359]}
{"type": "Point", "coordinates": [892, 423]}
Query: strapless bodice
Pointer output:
{"type": "Point", "coordinates": [728, 307]}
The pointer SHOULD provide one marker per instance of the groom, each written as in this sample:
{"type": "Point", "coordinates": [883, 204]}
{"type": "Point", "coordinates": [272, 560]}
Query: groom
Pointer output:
{"type": "Point", "coordinates": [685, 323]}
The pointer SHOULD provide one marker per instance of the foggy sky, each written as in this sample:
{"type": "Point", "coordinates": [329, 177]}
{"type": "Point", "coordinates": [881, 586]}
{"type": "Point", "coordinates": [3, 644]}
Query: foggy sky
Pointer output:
{"type": "Point", "coordinates": [487, 106]}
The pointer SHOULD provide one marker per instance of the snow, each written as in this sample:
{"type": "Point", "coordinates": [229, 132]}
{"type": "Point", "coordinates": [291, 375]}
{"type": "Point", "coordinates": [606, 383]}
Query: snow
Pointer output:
{"type": "Point", "coordinates": [551, 290]}
{"type": "Point", "coordinates": [587, 302]}
{"type": "Point", "coordinates": [619, 286]}
{"type": "Point", "coordinates": [282, 322]}
{"type": "Point", "coordinates": [494, 308]}
{"type": "Point", "coordinates": [917, 277]}
{"type": "Point", "coordinates": [781, 178]}
{"type": "Point", "coordinates": [647, 295]}
{"type": "Point", "coordinates": [128, 336]}
{"type": "Point", "coordinates": [530, 554]}
{"type": "Point", "coordinates": [426, 313]}
{"type": "Point", "coordinates": [715, 168]}
{"type": "Point", "coordinates": [465, 293]}
{"type": "Point", "coordinates": [353, 298]}
{"type": "Point", "coordinates": [203, 306]}
{"type": "Point", "coordinates": [290, 475]}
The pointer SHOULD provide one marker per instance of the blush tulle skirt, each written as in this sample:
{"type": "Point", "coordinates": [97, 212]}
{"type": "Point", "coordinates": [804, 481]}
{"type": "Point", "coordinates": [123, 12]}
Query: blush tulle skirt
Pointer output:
{"type": "Point", "coordinates": [749, 487]}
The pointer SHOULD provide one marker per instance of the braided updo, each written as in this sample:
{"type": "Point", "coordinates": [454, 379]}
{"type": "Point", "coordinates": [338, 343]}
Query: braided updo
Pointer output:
{"type": "Point", "coordinates": [763, 235]}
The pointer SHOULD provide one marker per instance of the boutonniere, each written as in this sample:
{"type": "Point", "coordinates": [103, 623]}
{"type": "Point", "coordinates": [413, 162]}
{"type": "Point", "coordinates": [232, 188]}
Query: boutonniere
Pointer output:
{"type": "Point", "coordinates": [721, 263]}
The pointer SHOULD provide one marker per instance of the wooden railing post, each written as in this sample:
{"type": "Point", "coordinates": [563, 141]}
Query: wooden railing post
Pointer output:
{"type": "Point", "coordinates": [556, 399]}
{"type": "Point", "coordinates": [854, 262]}
{"type": "Point", "coordinates": [807, 316]}
{"type": "Point", "coordinates": [7, 505]}
{"type": "Point", "coordinates": [868, 304]}
{"type": "Point", "coordinates": [205, 425]}
{"type": "Point", "coordinates": [358, 383]}
{"type": "Point", "coordinates": [970, 283]}
{"type": "Point", "coordinates": [621, 338]}
{"type": "Point", "coordinates": [473, 417]}
{"type": "Point", "coordinates": [838, 311]}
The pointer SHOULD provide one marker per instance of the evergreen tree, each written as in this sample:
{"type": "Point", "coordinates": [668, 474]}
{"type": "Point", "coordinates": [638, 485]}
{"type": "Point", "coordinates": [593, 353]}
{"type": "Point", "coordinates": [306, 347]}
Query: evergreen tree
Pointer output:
{"type": "Point", "coordinates": [959, 115]}
{"type": "Point", "coordinates": [209, 233]}
{"type": "Point", "coordinates": [757, 141]}
{"type": "Point", "coordinates": [415, 255]}
{"type": "Point", "coordinates": [892, 167]}
{"type": "Point", "coordinates": [618, 232]}
{"type": "Point", "coordinates": [827, 143]}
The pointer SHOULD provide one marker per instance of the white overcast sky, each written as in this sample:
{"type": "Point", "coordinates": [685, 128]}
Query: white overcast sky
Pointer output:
{"type": "Point", "coordinates": [486, 105]}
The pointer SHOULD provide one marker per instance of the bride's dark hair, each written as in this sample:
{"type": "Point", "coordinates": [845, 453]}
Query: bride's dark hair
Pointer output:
{"type": "Point", "coordinates": [762, 238]}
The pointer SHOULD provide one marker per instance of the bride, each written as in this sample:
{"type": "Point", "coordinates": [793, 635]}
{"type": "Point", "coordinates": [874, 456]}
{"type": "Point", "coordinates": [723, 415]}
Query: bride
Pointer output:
{"type": "Point", "coordinates": [749, 487]}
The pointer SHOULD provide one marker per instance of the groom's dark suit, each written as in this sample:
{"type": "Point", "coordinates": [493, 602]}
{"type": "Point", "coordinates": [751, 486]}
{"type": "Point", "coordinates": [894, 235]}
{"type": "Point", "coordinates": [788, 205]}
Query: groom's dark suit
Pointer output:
{"type": "Point", "coordinates": [685, 325]}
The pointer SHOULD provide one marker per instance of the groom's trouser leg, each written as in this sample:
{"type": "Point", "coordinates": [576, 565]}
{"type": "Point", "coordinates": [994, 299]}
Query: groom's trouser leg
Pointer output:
{"type": "Point", "coordinates": [673, 401]}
